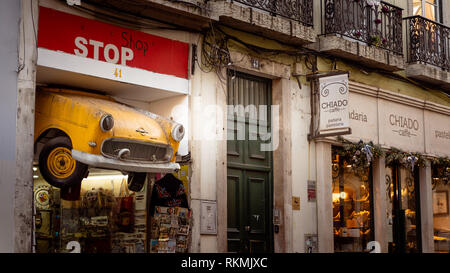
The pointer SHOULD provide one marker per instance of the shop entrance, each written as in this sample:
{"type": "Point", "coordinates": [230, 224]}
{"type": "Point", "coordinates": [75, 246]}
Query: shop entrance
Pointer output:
{"type": "Point", "coordinates": [403, 211]}
{"type": "Point", "coordinates": [249, 167]}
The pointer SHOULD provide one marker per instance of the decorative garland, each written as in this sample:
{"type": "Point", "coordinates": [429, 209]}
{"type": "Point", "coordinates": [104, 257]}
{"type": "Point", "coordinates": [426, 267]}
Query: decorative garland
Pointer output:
{"type": "Point", "coordinates": [360, 155]}
{"type": "Point", "coordinates": [441, 169]}
{"type": "Point", "coordinates": [408, 160]}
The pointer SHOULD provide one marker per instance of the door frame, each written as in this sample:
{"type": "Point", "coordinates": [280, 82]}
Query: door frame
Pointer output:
{"type": "Point", "coordinates": [397, 228]}
{"type": "Point", "coordinates": [268, 169]}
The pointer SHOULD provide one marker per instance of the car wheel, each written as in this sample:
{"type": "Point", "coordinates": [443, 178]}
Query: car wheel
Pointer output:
{"type": "Point", "coordinates": [136, 181]}
{"type": "Point", "coordinates": [57, 165]}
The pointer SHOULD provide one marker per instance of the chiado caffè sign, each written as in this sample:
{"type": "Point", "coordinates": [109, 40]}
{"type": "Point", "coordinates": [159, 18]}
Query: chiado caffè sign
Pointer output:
{"type": "Point", "coordinates": [333, 104]}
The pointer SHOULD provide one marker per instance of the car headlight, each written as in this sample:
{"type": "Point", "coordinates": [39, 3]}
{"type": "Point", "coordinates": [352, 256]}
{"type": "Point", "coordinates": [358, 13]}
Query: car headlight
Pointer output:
{"type": "Point", "coordinates": [178, 132]}
{"type": "Point", "coordinates": [106, 122]}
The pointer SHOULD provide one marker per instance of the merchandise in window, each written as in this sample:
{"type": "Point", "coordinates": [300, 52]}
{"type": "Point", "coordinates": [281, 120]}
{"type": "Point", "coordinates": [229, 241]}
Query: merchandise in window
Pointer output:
{"type": "Point", "coordinates": [352, 206]}
{"type": "Point", "coordinates": [106, 217]}
{"type": "Point", "coordinates": [441, 216]}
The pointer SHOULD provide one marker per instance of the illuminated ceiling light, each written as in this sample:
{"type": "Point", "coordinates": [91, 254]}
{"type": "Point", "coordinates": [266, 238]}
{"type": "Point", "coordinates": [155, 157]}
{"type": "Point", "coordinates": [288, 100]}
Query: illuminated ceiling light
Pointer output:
{"type": "Point", "coordinates": [104, 177]}
{"type": "Point", "coordinates": [34, 168]}
{"type": "Point", "coordinates": [35, 176]}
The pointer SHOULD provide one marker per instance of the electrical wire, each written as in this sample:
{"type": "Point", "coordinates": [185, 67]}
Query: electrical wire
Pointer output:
{"type": "Point", "coordinates": [135, 22]}
{"type": "Point", "coordinates": [215, 53]}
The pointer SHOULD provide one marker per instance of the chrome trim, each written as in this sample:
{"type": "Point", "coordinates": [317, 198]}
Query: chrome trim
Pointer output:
{"type": "Point", "coordinates": [169, 147]}
{"type": "Point", "coordinates": [103, 118]}
{"type": "Point", "coordinates": [99, 161]}
{"type": "Point", "coordinates": [175, 131]}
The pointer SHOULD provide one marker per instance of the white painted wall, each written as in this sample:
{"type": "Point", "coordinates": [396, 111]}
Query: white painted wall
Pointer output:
{"type": "Point", "coordinates": [203, 139]}
{"type": "Point", "coordinates": [303, 158]}
{"type": "Point", "coordinates": [177, 109]}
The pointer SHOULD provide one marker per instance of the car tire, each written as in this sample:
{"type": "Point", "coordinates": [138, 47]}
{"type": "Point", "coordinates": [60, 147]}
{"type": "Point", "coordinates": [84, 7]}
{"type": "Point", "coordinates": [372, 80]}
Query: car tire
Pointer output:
{"type": "Point", "coordinates": [136, 181]}
{"type": "Point", "coordinates": [57, 165]}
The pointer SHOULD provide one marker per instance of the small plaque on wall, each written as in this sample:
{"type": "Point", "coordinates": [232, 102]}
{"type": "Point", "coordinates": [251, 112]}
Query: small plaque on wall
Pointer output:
{"type": "Point", "coordinates": [295, 203]}
{"type": "Point", "coordinates": [311, 191]}
{"type": "Point", "coordinates": [208, 217]}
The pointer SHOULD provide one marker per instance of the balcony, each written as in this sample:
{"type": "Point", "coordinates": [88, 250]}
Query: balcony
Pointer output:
{"type": "Point", "coordinates": [298, 10]}
{"type": "Point", "coordinates": [428, 51]}
{"type": "Point", "coordinates": [366, 31]}
{"type": "Point", "coordinates": [288, 21]}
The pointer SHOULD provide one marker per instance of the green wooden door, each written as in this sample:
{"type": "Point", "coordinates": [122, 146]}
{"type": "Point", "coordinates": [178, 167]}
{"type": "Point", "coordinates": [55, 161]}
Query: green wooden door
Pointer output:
{"type": "Point", "coordinates": [249, 167]}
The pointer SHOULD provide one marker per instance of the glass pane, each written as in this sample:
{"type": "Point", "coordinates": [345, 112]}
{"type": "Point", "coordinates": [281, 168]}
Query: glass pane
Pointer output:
{"type": "Point", "coordinates": [389, 183]}
{"type": "Point", "coordinates": [441, 216]}
{"type": "Point", "coordinates": [430, 11]}
{"type": "Point", "coordinates": [417, 7]}
{"type": "Point", "coordinates": [352, 210]}
{"type": "Point", "coordinates": [408, 206]}
{"type": "Point", "coordinates": [105, 218]}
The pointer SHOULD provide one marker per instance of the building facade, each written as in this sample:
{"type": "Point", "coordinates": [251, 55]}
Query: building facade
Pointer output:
{"type": "Point", "coordinates": [245, 80]}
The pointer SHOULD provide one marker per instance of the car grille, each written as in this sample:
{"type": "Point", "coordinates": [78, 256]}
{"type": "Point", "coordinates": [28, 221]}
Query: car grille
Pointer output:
{"type": "Point", "coordinates": [138, 151]}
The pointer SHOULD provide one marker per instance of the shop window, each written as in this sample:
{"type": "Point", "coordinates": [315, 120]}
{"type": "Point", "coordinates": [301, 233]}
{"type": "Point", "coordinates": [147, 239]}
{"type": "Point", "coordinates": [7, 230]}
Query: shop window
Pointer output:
{"type": "Point", "coordinates": [107, 217]}
{"type": "Point", "coordinates": [403, 213]}
{"type": "Point", "coordinates": [441, 217]}
{"type": "Point", "coordinates": [352, 205]}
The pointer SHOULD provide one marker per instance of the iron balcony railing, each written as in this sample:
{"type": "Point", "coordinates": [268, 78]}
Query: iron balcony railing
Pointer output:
{"type": "Point", "coordinates": [374, 22]}
{"type": "Point", "coordinates": [298, 10]}
{"type": "Point", "coordinates": [428, 42]}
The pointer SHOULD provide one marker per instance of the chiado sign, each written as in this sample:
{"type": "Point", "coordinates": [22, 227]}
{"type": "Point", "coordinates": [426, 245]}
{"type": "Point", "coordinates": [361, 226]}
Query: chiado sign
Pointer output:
{"type": "Point", "coordinates": [333, 104]}
{"type": "Point", "coordinates": [67, 33]}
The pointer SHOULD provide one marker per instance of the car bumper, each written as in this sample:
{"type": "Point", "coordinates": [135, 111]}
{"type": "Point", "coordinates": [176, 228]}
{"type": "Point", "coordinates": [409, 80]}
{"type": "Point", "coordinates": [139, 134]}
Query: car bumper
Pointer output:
{"type": "Point", "coordinates": [100, 161]}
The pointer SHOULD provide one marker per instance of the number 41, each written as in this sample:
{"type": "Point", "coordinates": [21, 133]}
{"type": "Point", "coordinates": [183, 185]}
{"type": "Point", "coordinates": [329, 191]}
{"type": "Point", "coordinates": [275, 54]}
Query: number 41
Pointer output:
{"type": "Point", "coordinates": [118, 73]}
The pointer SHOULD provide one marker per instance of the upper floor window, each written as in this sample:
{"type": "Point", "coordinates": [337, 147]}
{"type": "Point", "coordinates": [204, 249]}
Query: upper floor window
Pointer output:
{"type": "Point", "coordinates": [430, 9]}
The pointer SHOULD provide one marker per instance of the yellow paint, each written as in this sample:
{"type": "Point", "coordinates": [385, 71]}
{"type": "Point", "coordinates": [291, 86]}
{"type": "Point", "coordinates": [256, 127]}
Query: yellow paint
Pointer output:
{"type": "Point", "coordinates": [60, 163]}
{"type": "Point", "coordinates": [78, 114]}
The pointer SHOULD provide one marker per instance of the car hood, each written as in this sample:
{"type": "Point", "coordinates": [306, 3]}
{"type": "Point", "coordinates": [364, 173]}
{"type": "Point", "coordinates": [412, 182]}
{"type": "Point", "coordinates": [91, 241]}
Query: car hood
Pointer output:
{"type": "Point", "coordinates": [129, 122]}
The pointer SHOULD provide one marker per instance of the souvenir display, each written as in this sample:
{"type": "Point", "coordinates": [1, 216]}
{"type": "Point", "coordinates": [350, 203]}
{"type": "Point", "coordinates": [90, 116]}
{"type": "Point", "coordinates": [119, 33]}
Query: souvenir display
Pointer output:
{"type": "Point", "coordinates": [42, 195]}
{"type": "Point", "coordinates": [170, 230]}
{"type": "Point", "coordinates": [109, 218]}
{"type": "Point", "coordinates": [168, 192]}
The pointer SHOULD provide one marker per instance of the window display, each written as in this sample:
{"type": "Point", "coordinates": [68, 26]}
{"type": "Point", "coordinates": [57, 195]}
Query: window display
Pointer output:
{"type": "Point", "coordinates": [106, 218]}
{"type": "Point", "coordinates": [441, 216]}
{"type": "Point", "coordinates": [403, 217]}
{"type": "Point", "coordinates": [352, 206]}
{"type": "Point", "coordinates": [170, 229]}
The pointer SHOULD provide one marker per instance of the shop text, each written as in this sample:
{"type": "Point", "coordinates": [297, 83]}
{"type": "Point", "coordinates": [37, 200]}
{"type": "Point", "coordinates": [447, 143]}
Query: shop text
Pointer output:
{"type": "Point", "coordinates": [407, 125]}
{"type": "Point", "coordinates": [358, 116]}
{"type": "Point", "coordinates": [130, 42]}
{"type": "Point", "coordinates": [404, 122]}
{"type": "Point", "coordinates": [336, 122]}
{"type": "Point", "coordinates": [442, 134]}
{"type": "Point", "coordinates": [334, 104]}
{"type": "Point", "coordinates": [125, 54]}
